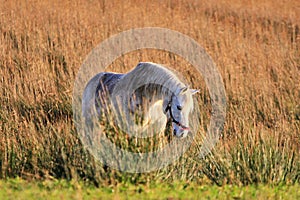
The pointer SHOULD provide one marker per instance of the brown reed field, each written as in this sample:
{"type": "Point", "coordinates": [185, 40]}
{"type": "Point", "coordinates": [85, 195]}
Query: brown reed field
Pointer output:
{"type": "Point", "coordinates": [254, 44]}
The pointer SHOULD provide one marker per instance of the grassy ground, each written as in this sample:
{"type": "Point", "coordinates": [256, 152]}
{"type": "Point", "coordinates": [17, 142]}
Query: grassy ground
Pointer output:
{"type": "Point", "coordinates": [255, 45]}
{"type": "Point", "coordinates": [18, 189]}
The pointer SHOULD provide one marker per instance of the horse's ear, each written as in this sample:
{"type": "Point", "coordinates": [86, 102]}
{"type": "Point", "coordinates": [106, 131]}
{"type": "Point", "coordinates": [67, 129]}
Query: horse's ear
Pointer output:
{"type": "Point", "coordinates": [194, 91]}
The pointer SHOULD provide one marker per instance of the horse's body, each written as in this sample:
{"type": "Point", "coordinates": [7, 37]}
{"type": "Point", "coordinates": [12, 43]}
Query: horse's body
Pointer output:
{"type": "Point", "coordinates": [157, 95]}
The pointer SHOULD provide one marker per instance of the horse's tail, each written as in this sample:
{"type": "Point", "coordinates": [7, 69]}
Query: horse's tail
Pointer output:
{"type": "Point", "coordinates": [88, 100]}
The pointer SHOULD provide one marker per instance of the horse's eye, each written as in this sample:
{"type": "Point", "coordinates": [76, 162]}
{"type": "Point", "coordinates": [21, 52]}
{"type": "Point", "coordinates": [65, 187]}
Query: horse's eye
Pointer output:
{"type": "Point", "coordinates": [179, 107]}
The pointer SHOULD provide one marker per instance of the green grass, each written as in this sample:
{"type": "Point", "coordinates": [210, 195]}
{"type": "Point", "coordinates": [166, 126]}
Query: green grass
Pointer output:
{"type": "Point", "coordinates": [20, 189]}
{"type": "Point", "coordinates": [255, 46]}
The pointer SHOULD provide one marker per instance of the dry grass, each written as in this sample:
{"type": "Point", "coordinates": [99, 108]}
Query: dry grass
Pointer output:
{"type": "Point", "coordinates": [255, 44]}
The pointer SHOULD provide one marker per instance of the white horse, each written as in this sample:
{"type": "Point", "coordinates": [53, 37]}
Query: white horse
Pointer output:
{"type": "Point", "coordinates": [150, 91]}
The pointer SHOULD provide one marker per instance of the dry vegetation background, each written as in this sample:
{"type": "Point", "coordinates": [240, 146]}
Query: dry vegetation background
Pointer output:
{"type": "Point", "coordinates": [255, 45]}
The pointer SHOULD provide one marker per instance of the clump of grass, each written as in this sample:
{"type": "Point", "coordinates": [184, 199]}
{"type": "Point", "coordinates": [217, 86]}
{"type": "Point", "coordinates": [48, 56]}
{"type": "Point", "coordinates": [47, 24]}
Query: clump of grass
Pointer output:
{"type": "Point", "coordinates": [252, 160]}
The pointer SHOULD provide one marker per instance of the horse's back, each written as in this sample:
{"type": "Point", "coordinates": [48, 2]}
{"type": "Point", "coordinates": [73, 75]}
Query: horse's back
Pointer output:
{"type": "Point", "coordinates": [107, 81]}
{"type": "Point", "coordinates": [98, 85]}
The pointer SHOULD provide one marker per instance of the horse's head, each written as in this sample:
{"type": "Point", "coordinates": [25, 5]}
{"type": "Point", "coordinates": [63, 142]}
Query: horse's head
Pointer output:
{"type": "Point", "coordinates": [178, 109]}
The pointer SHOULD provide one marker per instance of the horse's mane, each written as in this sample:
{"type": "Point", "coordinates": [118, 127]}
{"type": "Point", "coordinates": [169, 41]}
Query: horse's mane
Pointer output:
{"type": "Point", "coordinates": [150, 73]}
{"type": "Point", "coordinates": [157, 73]}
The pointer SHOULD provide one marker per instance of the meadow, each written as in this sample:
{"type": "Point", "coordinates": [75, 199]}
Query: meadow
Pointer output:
{"type": "Point", "coordinates": [254, 44]}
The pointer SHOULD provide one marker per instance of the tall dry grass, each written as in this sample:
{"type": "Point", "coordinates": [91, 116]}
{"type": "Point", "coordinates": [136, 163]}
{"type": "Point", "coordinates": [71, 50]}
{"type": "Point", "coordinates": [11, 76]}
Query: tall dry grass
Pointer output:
{"type": "Point", "coordinates": [255, 45]}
